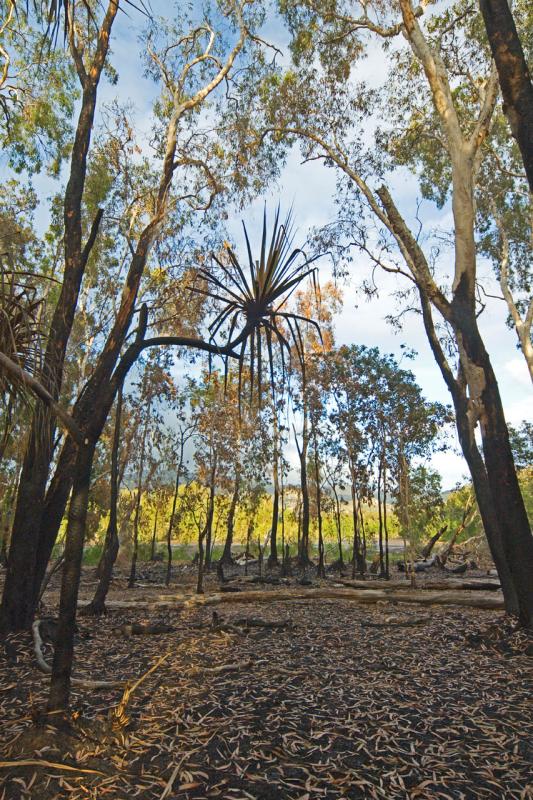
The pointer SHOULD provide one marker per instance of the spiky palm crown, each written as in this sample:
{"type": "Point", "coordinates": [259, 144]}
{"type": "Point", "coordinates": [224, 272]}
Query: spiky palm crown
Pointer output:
{"type": "Point", "coordinates": [253, 306]}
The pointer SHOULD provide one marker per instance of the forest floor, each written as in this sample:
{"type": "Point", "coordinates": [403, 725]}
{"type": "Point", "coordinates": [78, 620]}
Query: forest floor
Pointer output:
{"type": "Point", "coordinates": [344, 701]}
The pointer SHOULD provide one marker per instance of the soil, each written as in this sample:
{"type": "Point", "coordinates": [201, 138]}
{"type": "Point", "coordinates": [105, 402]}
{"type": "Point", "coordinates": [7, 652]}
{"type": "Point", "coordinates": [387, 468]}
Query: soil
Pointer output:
{"type": "Point", "coordinates": [347, 701]}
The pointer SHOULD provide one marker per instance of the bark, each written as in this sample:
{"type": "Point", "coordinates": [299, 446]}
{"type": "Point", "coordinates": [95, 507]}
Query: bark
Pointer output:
{"type": "Point", "coordinates": [514, 76]}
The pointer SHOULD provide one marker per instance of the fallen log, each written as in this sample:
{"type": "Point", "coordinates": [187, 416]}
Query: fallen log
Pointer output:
{"type": "Point", "coordinates": [361, 596]}
{"type": "Point", "coordinates": [441, 585]}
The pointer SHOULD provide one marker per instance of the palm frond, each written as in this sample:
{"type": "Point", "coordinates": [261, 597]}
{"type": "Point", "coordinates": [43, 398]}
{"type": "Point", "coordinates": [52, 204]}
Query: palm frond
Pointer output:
{"type": "Point", "coordinates": [252, 302]}
{"type": "Point", "coordinates": [20, 334]}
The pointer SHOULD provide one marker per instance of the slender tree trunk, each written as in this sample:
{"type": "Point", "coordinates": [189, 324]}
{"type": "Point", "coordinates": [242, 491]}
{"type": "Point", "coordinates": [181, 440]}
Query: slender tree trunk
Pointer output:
{"type": "Point", "coordinates": [133, 569]}
{"type": "Point", "coordinates": [111, 544]}
{"type": "Point", "coordinates": [380, 522]}
{"type": "Point", "coordinates": [201, 553]}
{"type": "Point", "coordinates": [204, 560]}
{"type": "Point", "coordinates": [273, 557]}
{"type": "Point", "coordinates": [226, 555]}
{"type": "Point", "coordinates": [154, 536]}
{"type": "Point", "coordinates": [385, 526]}
{"type": "Point", "coordinates": [338, 524]}
{"type": "Point", "coordinates": [321, 569]}
{"type": "Point", "coordinates": [513, 72]}
{"type": "Point", "coordinates": [303, 551]}
{"type": "Point", "coordinates": [249, 532]}
{"type": "Point", "coordinates": [172, 516]}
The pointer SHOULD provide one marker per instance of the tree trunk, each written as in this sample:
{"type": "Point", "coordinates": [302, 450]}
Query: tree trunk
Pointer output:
{"type": "Point", "coordinates": [303, 551]}
{"type": "Point", "coordinates": [338, 525]}
{"type": "Point", "coordinates": [171, 520]}
{"type": "Point", "coordinates": [205, 561]}
{"type": "Point", "coordinates": [249, 532]}
{"type": "Point", "coordinates": [273, 557]}
{"type": "Point", "coordinates": [111, 544]}
{"type": "Point", "coordinates": [64, 645]}
{"type": "Point", "coordinates": [426, 551]}
{"type": "Point", "coordinates": [513, 72]}
{"type": "Point", "coordinates": [380, 523]}
{"type": "Point", "coordinates": [358, 559]}
{"type": "Point", "coordinates": [154, 536]}
{"type": "Point", "coordinates": [226, 555]}
{"type": "Point", "coordinates": [321, 569]}
{"type": "Point", "coordinates": [385, 526]}
{"type": "Point", "coordinates": [133, 569]}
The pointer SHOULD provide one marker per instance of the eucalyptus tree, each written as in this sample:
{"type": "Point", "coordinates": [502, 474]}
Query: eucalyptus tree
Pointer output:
{"type": "Point", "coordinates": [441, 102]}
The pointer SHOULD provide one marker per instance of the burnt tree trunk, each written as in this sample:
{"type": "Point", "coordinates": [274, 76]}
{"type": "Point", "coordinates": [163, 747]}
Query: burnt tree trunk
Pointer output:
{"type": "Point", "coordinates": [135, 552]}
{"type": "Point", "coordinates": [380, 523]}
{"type": "Point", "coordinates": [111, 544]}
{"type": "Point", "coordinates": [426, 551]}
{"type": "Point", "coordinates": [514, 76]}
{"type": "Point", "coordinates": [230, 525]}
{"type": "Point", "coordinates": [154, 536]}
{"type": "Point", "coordinates": [385, 526]}
{"type": "Point", "coordinates": [172, 518]}
{"type": "Point", "coordinates": [64, 646]}
{"type": "Point", "coordinates": [321, 569]}
{"type": "Point", "coordinates": [273, 556]}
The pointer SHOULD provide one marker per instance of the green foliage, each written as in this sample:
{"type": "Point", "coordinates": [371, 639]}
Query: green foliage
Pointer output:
{"type": "Point", "coordinates": [37, 101]}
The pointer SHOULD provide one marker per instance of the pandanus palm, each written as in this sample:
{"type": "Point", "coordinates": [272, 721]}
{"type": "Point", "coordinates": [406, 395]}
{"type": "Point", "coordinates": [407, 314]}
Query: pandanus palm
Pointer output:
{"type": "Point", "coordinates": [254, 298]}
{"type": "Point", "coordinates": [20, 336]}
